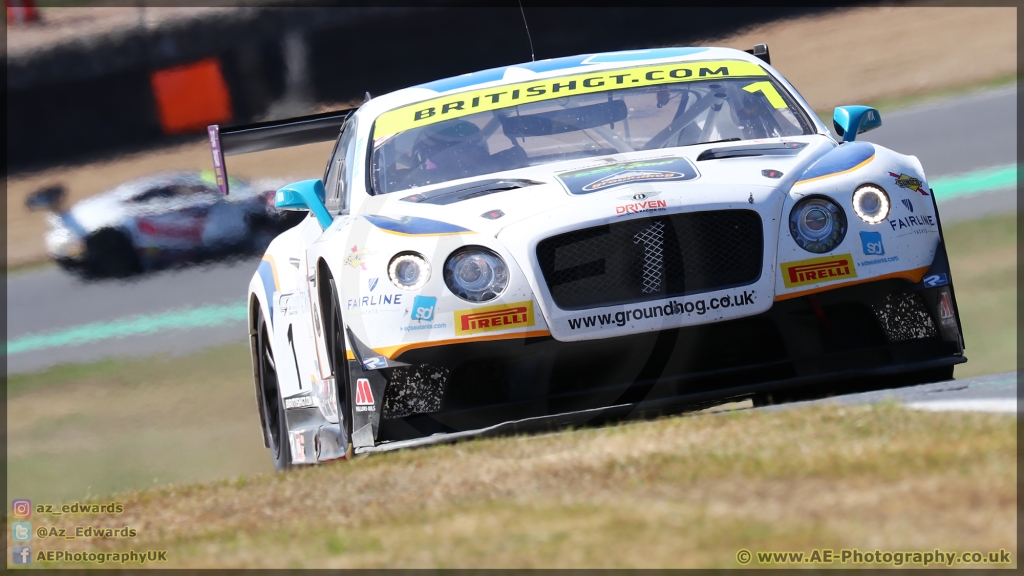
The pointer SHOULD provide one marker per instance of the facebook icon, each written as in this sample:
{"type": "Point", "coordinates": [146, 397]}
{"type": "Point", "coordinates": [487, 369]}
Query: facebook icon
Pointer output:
{"type": "Point", "coordinates": [872, 243]}
{"type": "Point", "coordinates": [21, 554]}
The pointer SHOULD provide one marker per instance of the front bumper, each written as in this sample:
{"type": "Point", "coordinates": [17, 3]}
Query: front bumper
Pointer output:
{"type": "Point", "coordinates": [457, 390]}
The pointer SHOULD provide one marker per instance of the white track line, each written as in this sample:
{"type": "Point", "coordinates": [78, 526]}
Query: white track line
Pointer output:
{"type": "Point", "coordinates": [1001, 405]}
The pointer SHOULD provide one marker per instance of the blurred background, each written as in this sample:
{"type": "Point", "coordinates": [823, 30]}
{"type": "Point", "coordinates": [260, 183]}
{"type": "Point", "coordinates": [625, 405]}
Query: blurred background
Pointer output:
{"type": "Point", "coordinates": [126, 357]}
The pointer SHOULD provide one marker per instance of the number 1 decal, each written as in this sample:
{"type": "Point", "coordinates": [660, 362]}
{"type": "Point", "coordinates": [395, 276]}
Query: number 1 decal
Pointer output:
{"type": "Point", "coordinates": [769, 91]}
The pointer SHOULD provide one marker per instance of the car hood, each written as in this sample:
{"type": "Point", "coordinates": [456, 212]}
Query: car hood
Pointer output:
{"type": "Point", "coordinates": [547, 203]}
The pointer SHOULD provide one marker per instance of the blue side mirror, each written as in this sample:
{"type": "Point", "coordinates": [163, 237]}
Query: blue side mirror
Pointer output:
{"type": "Point", "coordinates": [852, 120]}
{"type": "Point", "coordinates": [305, 195]}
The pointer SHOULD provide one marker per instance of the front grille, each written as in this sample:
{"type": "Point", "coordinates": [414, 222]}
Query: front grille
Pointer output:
{"type": "Point", "coordinates": [652, 258]}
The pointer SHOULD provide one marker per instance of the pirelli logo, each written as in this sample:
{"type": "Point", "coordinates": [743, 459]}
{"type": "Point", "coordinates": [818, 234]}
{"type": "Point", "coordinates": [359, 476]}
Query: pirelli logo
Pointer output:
{"type": "Point", "coordinates": [818, 270]}
{"type": "Point", "coordinates": [494, 318]}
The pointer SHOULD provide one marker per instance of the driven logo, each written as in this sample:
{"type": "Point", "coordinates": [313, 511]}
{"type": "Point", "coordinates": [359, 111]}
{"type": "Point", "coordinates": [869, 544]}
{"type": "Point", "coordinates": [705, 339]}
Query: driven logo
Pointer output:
{"type": "Point", "coordinates": [817, 270]}
{"type": "Point", "coordinates": [493, 318]}
{"type": "Point", "coordinates": [872, 243]}
{"type": "Point", "coordinates": [644, 206]}
{"type": "Point", "coordinates": [364, 396]}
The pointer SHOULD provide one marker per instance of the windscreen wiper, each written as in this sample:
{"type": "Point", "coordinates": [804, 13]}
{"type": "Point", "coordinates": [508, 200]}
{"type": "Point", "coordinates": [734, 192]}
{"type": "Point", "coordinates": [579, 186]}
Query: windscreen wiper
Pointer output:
{"type": "Point", "coordinates": [717, 141]}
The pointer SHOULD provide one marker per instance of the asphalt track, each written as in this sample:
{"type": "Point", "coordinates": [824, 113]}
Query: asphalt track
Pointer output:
{"type": "Point", "coordinates": [993, 393]}
{"type": "Point", "coordinates": [54, 318]}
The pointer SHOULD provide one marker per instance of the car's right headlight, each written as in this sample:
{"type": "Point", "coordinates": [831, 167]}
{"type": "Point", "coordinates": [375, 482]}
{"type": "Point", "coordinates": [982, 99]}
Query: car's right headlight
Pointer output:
{"type": "Point", "coordinates": [817, 224]}
{"type": "Point", "coordinates": [409, 271]}
{"type": "Point", "coordinates": [476, 274]}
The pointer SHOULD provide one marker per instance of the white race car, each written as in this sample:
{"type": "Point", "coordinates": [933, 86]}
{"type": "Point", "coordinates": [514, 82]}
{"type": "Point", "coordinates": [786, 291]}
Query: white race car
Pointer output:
{"type": "Point", "coordinates": [586, 238]}
{"type": "Point", "coordinates": [158, 220]}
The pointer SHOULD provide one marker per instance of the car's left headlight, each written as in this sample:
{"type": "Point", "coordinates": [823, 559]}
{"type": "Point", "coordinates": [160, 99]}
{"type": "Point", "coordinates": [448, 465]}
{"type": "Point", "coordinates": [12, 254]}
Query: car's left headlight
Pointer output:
{"type": "Point", "coordinates": [476, 274]}
{"type": "Point", "coordinates": [817, 224]}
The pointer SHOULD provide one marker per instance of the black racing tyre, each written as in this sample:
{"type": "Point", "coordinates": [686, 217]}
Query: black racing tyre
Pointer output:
{"type": "Point", "coordinates": [68, 265]}
{"type": "Point", "coordinates": [270, 396]}
{"type": "Point", "coordinates": [335, 329]}
{"type": "Point", "coordinates": [110, 253]}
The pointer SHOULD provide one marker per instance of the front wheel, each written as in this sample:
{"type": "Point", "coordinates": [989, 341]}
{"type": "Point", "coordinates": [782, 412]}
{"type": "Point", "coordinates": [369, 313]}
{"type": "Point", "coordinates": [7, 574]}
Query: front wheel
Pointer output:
{"type": "Point", "coordinates": [111, 254]}
{"type": "Point", "coordinates": [270, 397]}
{"type": "Point", "coordinates": [339, 360]}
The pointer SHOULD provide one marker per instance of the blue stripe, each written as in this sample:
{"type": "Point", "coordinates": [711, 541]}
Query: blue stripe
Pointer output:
{"type": "Point", "coordinates": [413, 225]}
{"type": "Point", "coordinates": [839, 159]}
{"type": "Point", "coordinates": [267, 276]}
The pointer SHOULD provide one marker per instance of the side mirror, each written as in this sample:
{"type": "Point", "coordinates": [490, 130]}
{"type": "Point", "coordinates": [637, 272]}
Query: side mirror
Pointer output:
{"type": "Point", "coordinates": [852, 120]}
{"type": "Point", "coordinates": [305, 195]}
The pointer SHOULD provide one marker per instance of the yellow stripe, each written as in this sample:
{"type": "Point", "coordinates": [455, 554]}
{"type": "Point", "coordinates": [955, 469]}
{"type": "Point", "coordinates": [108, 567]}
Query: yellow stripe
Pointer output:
{"type": "Point", "coordinates": [273, 269]}
{"type": "Point", "coordinates": [857, 167]}
{"type": "Point", "coordinates": [496, 97]}
{"type": "Point", "coordinates": [386, 231]}
{"type": "Point", "coordinates": [395, 351]}
{"type": "Point", "coordinates": [913, 275]}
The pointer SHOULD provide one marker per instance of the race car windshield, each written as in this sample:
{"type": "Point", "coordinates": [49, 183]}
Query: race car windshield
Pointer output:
{"type": "Point", "coordinates": [576, 126]}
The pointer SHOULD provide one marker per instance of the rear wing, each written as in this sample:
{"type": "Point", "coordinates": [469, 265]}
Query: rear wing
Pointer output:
{"type": "Point", "coordinates": [271, 135]}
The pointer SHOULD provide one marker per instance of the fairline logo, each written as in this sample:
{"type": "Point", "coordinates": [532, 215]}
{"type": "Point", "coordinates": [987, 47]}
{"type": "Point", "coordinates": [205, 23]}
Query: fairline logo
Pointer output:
{"type": "Point", "coordinates": [364, 396]}
{"type": "Point", "coordinates": [817, 270]}
{"type": "Point", "coordinates": [638, 207]}
{"type": "Point", "coordinates": [493, 318]}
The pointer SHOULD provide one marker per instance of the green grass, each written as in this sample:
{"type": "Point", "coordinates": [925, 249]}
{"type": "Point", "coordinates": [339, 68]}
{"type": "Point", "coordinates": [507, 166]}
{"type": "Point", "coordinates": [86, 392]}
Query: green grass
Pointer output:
{"type": "Point", "coordinates": [111, 426]}
{"type": "Point", "coordinates": [983, 258]}
{"type": "Point", "coordinates": [675, 492]}
{"type": "Point", "coordinates": [30, 267]}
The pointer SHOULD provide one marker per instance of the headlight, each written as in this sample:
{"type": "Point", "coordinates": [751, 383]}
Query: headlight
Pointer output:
{"type": "Point", "coordinates": [871, 203]}
{"type": "Point", "coordinates": [409, 271]}
{"type": "Point", "coordinates": [475, 274]}
{"type": "Point", "coordinates": [817, 224]}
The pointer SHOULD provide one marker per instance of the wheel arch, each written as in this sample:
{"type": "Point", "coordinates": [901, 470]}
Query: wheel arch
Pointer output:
{"type": "Point", "coordinates": [323, 291]}
{"type": "Point", "coordinates": [255, 309]}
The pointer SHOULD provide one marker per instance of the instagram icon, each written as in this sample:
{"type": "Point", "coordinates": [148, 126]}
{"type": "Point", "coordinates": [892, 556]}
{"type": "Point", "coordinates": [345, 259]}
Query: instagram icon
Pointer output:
{"type": "Point", "coordinates": [21, 508]}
